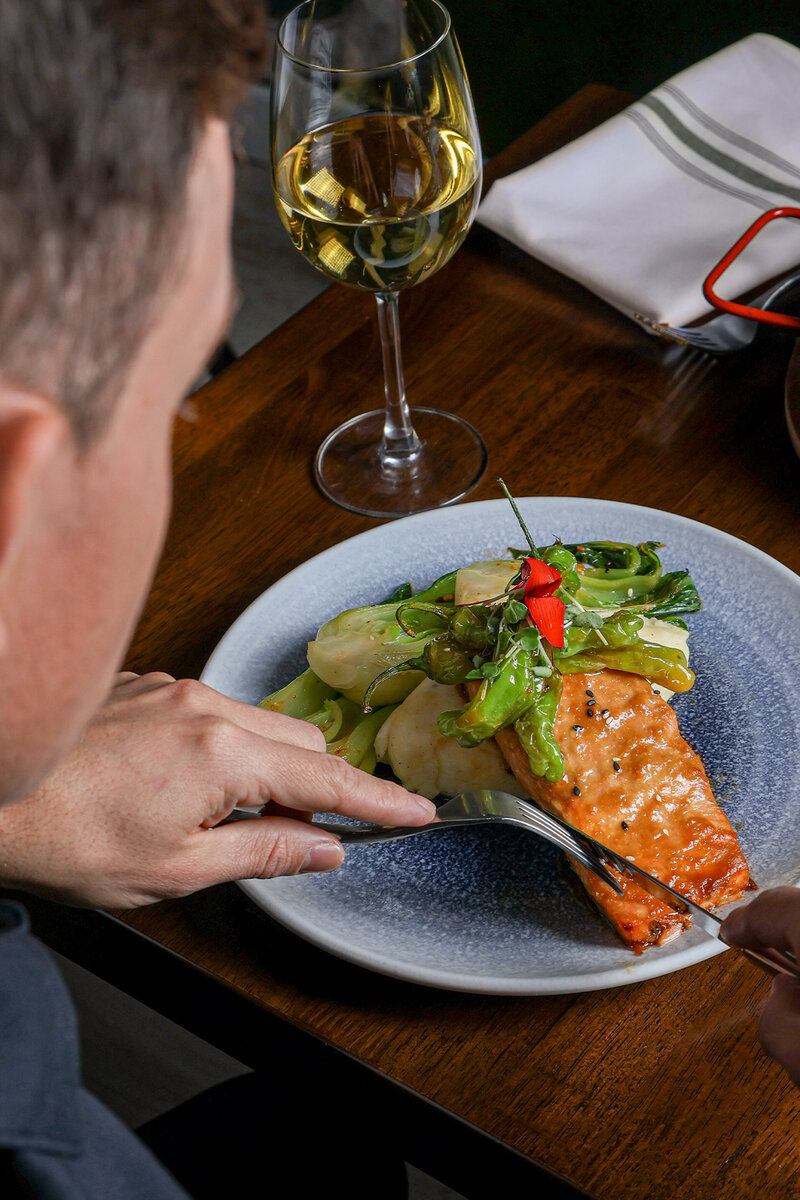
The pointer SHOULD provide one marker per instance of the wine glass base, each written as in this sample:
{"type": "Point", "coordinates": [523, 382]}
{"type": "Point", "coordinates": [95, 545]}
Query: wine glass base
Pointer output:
{"type": "Point", "coordinates": [349, 470]}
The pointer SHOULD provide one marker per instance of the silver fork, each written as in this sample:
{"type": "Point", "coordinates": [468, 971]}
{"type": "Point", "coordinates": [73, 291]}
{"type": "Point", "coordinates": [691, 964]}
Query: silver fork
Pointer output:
{"type": "Point", "coordinates": [483, 806]}
{"type": "Point", "coordinates": [727, 332]}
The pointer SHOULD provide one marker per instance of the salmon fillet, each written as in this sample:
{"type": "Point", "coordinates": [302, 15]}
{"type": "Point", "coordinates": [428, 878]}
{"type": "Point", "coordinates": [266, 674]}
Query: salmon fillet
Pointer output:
{"type": "Point", "coordinates": [656, 807]}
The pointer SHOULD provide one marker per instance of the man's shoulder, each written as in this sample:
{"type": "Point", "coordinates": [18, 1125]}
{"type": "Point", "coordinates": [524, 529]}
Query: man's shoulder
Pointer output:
{"type": "Point", "coordinates": [56, 1139]}
{"type": "Point", "coordinates": [39, 1056]}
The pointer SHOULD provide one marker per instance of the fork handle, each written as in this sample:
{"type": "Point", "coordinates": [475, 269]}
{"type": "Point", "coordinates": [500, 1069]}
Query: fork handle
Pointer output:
{"type": "Point", "coordinates": [364, 835]}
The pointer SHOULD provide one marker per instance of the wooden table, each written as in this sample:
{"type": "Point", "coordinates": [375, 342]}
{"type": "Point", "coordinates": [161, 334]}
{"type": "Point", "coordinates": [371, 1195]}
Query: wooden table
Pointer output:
{"type": "Point", "coordinates": [657, 1089]}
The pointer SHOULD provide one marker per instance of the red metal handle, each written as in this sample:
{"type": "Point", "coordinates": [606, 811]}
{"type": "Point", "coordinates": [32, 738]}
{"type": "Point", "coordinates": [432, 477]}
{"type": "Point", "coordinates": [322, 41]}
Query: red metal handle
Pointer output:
{"type": "Point", "coordinates": [744, 310]}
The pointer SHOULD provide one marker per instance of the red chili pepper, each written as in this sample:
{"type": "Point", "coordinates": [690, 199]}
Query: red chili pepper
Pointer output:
{"type": "Point", "coordinates": [547, 614]}
{"type": "Point", "coordinates": [539, 578]}
{"type": "Point", "coordinates": [546, 610]}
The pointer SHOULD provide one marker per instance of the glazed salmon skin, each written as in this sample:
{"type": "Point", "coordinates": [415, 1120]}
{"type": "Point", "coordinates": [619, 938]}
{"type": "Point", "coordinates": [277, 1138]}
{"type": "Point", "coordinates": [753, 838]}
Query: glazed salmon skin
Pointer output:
{"type": "Point", "coordinates": [654, 806]}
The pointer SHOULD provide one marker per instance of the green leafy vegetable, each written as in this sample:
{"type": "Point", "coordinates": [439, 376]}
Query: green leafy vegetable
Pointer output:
{"type": "Point", "coordinates": [361, 643]}
{"type": "Point", "coordinates": [442, 588]}
{"type": "Point", "coordinates": [303, 696]}
{"type": "Point", "coordinates": [416, 617]}
{"type": "Point", "coordinates": [613, 573]}
{"type": "Point", "coordinates": [404, 592]}
{"type": "Point", "coordinates": [675, 593]}
{"type": "Point", "coordinates": [355, 737]}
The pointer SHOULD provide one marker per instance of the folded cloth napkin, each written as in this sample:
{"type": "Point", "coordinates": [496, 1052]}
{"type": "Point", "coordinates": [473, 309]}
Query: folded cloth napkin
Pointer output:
{"type": "Point", "coordinates": [640, 209]}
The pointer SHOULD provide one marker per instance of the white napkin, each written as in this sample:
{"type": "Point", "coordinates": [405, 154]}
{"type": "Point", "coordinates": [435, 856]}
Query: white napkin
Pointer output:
{"type": "Point", "coordinates": [640, 209]}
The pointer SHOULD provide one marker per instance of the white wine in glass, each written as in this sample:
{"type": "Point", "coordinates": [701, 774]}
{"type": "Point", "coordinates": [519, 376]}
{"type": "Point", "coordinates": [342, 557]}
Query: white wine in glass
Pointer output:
{"type": "Point", "coordinates": [377, 176]}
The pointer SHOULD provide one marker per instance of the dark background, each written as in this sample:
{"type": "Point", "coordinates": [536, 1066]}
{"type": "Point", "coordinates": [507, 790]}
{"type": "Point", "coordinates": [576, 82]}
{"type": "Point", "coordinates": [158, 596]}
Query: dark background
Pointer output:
{"type": "Point", "coordinates": [525, 57]}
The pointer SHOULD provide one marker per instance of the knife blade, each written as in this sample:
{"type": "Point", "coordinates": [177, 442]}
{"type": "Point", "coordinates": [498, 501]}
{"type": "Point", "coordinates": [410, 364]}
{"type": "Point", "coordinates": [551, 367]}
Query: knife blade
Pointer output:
{"type": "Point", "coordinates": [775, 962]}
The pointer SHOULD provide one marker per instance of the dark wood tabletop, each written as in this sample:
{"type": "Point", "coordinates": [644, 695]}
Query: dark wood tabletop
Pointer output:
{"type": "Point", "coordinates": [657, 1089]}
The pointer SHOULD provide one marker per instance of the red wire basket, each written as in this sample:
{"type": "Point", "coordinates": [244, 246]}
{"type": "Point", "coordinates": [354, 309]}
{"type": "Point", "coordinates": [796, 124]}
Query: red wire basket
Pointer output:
{"type": "Point", "coordinates": [746, 310]}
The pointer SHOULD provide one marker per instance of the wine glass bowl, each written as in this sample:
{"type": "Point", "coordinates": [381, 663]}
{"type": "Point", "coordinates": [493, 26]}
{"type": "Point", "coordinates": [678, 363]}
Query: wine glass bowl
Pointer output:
{"type": "Point", "coordinates": [377, 176]}
{"type": "Point", "coordinates": [404, 215]}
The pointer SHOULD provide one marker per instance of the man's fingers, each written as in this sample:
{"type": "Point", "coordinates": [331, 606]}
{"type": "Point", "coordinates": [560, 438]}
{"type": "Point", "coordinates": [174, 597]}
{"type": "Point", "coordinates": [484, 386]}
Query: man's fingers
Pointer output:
{"type": "Point", "coordinates": [772, 919]}
{"type": "Point", "coordinates": [294, 777]}
{"type": "Point", "coordinates": [197, 697]}
{"type": "Point", "coordinates": [280, 728]}
{"type": "Point", "coordinates": [265, 847]}
{"type": "Point", "coordinates": [779, 1027]}
{"type": "Point", "coordinates": [271, 809]}
{"type": "Point", "coordinates": [190, 698]}
{"type": "Point", "coordinates": [128, 684]}
{"type": "Point", "coordinates": [262, 721]}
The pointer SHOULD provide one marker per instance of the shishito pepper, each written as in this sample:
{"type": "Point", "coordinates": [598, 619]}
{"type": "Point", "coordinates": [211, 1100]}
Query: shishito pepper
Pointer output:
{"type": "Point", "coordinates": [615, 645]}
{"type": "Point", "coordinates": [497, 703]}
{"type": "Point", "coordinates": [663, 665]}
{"type": "Point", "coordinates": [535, 731]}
{"type": "Point", "coordinates": [442, 660]}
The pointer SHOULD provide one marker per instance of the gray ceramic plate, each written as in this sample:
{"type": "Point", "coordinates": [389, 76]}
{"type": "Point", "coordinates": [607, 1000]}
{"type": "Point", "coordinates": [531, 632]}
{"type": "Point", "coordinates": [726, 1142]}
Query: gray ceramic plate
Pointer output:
{"type": "Point", "coordinates": [492, 910]}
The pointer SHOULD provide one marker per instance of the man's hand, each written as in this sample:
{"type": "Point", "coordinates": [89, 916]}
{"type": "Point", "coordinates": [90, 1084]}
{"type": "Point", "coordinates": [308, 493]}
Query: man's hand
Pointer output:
{"type": "Point", "coordinates": [773, 919]}
{"type": "Point", "coordinates": [127, 818]}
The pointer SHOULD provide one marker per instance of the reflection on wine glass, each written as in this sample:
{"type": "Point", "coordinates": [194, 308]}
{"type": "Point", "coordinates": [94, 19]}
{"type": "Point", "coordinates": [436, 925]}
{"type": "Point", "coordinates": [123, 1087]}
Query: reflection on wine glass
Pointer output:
{"type": "Point", "coordinates": [377, 177]}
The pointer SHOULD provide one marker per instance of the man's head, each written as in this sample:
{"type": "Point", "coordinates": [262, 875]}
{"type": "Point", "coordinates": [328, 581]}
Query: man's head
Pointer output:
{"type": "Point", "coordinates": [115, 285]}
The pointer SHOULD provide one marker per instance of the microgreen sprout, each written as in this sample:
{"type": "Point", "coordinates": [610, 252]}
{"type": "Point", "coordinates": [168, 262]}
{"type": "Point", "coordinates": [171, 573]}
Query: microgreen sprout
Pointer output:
{"type": "Point", "coordinates": [518, 515]}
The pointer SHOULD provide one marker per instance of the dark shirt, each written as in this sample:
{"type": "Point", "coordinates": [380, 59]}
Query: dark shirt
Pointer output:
{"type": "Point", "coordinates": [57, 1142]}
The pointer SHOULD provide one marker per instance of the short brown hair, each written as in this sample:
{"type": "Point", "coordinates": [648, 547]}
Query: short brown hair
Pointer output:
{"type": "Point", "coordinates": [102, 103]}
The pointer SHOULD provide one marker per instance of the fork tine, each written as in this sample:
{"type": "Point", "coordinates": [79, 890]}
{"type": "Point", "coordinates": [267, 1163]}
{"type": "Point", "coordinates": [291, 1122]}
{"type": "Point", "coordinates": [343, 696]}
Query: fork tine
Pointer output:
{"type": "Point", "coordinates": [567, 840]}
{"type": "Point", "coordinates": [573, 842]}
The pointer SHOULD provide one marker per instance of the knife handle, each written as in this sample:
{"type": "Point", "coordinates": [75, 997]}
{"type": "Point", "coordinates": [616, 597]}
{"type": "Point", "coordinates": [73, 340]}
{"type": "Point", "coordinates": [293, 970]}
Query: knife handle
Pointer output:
{"type": "Point", "coordinates": [772, 961]}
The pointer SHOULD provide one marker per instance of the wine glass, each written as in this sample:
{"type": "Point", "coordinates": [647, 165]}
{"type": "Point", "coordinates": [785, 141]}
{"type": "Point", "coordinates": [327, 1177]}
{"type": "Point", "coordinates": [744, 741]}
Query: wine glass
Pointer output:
{"type": "Point", "coordinates": [377, 176]}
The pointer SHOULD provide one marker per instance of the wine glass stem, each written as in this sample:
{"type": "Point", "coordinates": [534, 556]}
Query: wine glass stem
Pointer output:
{"type": "Point", "coordinates": [400, 446]}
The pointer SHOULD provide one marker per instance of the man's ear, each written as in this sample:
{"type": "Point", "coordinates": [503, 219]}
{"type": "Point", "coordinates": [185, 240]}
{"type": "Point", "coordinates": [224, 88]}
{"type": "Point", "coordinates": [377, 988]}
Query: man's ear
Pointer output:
{"type": "Point", "coordinates": [31, 427]}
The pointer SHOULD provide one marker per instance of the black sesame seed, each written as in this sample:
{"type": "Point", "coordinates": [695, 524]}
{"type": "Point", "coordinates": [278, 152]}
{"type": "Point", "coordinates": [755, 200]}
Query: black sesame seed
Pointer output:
{"type": "Point", "coordinates": [617, 767]}
{"type": "Point", "coordinates": [624, 824]}
{"type": "Point", "coordinates": [578, 728]}
{"type": "Point", "coordinates": [591, 702]}
{"type": "Point", "coordinates": [589, 693]}
{"type": "Point", "coordinates": [589, 712]}
{"type": "Point", "coordinates": [576, 791]}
